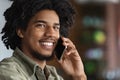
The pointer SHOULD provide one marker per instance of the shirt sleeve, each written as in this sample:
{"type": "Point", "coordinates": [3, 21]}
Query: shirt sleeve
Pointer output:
{"type": "Point", "coordinates": [10, 76]}
{"type": "Point", "coordinates": [9, 72]}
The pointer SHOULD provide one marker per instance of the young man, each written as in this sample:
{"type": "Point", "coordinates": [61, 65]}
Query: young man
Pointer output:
{"type": "Point", "coordinates": [32, 30]}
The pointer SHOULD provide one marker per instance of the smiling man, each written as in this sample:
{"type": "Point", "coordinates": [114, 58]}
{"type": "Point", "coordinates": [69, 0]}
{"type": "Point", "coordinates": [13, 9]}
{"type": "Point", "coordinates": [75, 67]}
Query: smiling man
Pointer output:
{"type": "Point", "coordinates": [32, 30]}
{"type": "Point", "coordinates": [40, 37]}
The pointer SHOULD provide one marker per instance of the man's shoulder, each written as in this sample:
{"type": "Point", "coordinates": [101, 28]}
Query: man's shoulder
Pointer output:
{"type": "Point", "coordinates": [8, 64]}
{"type": "Point", "coordinates": [11, 70]}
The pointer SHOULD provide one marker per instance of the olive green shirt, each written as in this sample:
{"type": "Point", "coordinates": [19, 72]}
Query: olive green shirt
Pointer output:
{"type": "Point", "coordinates": [21, 67]}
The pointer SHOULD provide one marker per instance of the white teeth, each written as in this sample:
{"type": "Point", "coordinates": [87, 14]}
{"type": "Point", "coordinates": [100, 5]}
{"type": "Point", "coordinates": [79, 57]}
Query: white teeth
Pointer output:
{"type": "Point", "coordinates": [47, 43]}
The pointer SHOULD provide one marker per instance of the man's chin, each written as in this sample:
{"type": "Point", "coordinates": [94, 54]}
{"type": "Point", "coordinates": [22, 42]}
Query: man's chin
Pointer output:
{"type": "Point", "coordinates": [42, 57]}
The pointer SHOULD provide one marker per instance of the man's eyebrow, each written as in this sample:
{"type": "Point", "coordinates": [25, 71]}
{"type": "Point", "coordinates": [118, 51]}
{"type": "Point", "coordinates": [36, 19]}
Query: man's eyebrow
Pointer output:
{"type": "Point", "coordinates": [42, 21]}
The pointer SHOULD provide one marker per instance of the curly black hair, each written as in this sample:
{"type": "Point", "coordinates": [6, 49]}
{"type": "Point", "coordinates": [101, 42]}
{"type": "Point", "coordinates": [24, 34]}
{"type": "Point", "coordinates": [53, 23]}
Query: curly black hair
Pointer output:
{"type": "Point", "coordinates": [21, 11]}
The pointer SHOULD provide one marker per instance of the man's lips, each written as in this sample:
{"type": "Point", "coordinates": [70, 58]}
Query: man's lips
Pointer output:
{"type": "Point", "coordinates": [47, 45]}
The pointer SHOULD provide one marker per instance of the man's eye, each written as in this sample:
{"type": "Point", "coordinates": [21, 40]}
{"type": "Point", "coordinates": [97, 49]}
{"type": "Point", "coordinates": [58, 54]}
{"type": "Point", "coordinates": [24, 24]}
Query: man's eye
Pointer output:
{"type": "Point", "coordinates": [56, 27]}
{"type": "Point", "coordinates": [41, 25]}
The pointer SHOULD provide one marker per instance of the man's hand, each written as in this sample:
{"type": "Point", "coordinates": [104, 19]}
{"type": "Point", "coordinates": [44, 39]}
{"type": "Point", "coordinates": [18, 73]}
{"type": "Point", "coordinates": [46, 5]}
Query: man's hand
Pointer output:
{"type": "Point", "coordinates": [71, 61]}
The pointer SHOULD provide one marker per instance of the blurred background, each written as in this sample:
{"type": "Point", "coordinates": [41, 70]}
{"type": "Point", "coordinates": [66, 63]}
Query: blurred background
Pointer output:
{"type": "Point", "coordinates": [96, 34]}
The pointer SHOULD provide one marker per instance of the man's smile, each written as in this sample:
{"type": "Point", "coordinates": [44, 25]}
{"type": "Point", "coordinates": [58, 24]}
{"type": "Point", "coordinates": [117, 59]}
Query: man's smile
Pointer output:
{"type": "Point", "coordinates": [47, 45]}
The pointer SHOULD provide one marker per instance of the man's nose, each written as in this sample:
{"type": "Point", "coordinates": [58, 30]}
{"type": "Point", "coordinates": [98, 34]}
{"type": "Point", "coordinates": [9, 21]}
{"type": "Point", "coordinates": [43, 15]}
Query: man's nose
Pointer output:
{"type": "Point", "coordinates": [50, 31]}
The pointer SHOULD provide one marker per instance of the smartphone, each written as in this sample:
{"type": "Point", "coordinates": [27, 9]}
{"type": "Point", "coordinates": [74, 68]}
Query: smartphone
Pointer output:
{"type": "Point", "coordinates": [59, 49]}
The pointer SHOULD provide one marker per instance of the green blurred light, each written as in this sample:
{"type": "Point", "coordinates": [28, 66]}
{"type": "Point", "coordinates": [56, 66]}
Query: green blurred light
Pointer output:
{"type": "Point", "coordinates": [99, 37]}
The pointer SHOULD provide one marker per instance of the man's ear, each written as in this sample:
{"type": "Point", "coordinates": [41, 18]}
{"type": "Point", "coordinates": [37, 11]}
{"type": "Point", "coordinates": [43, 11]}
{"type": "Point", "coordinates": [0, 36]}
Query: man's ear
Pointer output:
{"type": "Point", "coordinates": [20, 33]}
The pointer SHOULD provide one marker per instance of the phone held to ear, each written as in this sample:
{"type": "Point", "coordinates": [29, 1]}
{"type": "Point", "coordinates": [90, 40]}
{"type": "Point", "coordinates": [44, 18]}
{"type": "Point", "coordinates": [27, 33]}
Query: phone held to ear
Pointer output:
{"type": "Point", "coordinates": [59, 49]}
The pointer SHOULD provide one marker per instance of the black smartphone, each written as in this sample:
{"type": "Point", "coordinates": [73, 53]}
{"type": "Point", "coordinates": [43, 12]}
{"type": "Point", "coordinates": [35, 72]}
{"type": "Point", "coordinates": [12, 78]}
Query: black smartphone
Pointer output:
{"type": "Point", "coordinates": [59, 49]}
